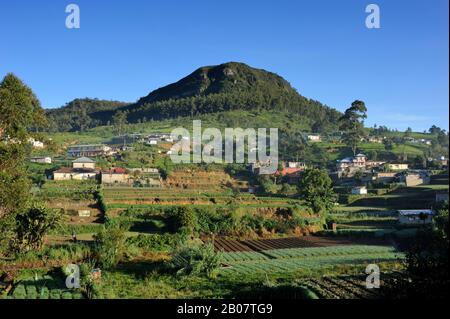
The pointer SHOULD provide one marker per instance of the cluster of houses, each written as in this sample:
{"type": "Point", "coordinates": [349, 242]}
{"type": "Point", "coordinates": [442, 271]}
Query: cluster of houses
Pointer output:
{"type": "Point", "coordinates": [84, 168]}
{"type": "Point", "coordinates": [151, 139]}
{"type": "Point", "coordinates": [290, 170]}
{"type": "Point", "coordinates": [349, 166]}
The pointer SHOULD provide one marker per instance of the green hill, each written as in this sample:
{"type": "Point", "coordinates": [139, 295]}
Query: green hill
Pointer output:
{"type": "Point", "coordinates": [81, 114]}
{"type": "Point", "coordinates": [213, 89]}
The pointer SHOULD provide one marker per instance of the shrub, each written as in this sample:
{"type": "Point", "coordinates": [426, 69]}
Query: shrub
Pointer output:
{"type": "Point", "coordinates": [156, 242]}
{"type": "Point", "coordinates": [182, 219]}
{"type": "Point", "coordinates": [110, 245]}
{"type": "Point", "coordinates": [196, 260]}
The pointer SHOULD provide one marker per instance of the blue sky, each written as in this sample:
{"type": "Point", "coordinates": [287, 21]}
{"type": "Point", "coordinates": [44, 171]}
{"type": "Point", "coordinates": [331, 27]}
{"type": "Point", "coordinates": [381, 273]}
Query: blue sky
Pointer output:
{"type": "Point", "coordinates": [125, 49]}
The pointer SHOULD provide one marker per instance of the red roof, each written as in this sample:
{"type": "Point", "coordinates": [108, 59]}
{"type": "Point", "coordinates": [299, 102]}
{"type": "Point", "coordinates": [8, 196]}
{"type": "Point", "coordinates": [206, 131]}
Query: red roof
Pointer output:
{"type": "Point", "coordinates": [290, 171]}
{"type": "Point", "coordinates": [116, 170]}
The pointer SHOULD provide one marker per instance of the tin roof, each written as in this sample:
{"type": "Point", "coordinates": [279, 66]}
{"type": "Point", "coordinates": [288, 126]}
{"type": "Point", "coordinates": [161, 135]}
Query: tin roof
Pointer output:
{"type": "Point", "coordinates": [83, 160]}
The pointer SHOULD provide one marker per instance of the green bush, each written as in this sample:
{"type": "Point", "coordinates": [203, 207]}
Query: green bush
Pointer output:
{"type": "Point", "coordinates": [156, 242]}
{"type": "Point", "coordinates": [182, 219]}
{"type": "Point", "coordinates": [110, 245]}
{"type": "Point", "coordinates": [196, 260]}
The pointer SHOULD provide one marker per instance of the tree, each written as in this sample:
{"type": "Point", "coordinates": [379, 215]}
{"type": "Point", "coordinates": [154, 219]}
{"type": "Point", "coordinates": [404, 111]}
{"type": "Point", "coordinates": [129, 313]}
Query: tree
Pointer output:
{"type": "Point", "coordinates": [388, 144]}
{"type": "Point", "coordinates": [316, 189]}
{"type": "Point", "coordinates": [19, 107]}
{"type": "Point", "coordinates": [352, 124]}
{"type": "Point", "coordinates": [109, 245]}
{"type": "Point", "coordinates": [408, 132]}
{"type": "Point", "coordinates": [119, 121]}
{"type": "Point", "coordinates": [20, 111]}
{"type": "Point", "coordinates": [32, 225]}
{"type": "Point", "coordinates": [435, 129]}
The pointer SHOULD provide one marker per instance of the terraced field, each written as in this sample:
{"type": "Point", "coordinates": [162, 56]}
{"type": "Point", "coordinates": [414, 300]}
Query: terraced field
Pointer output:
{"type": "Point", "coordinates": [291, 242]}
{"type": "Point", "coordinates": [352, 287]}
{"type": "Point", "coordinates": [282, 261]}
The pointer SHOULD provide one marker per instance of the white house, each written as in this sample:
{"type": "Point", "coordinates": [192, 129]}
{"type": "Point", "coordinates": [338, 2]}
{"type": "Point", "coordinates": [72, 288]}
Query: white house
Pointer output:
{"type": "Point", "coordinates": [398, 167]}
{"type": "Point", "coordinates": [314, 137]}
{"type": "Point", "coordinates": [82, 168]}
{"type": "Point", "coordinates": [83, 162]}
{"type": "Point", "coordinates": [35, 143]}
{"type": "Point", "coordinates": [359, 190]}
{"type": "Point", "coordinates": [415, 216]}
{"type": "Point", "coordinates": [41, 160]}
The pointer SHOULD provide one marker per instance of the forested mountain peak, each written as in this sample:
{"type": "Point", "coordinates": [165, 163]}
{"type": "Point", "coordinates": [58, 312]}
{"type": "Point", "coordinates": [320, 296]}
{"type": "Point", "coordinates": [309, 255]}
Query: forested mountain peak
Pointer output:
{"type": "Point", "coordinates": [221, 88]}
{"type": "Point", "coordinates": [224, 78]}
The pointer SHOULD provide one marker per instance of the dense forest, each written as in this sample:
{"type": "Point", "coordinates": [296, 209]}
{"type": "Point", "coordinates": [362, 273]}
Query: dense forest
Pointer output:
{"type": "Point", "coordinates": [226, 87]}
{"type": "Point", "coordinates": [81, 114]}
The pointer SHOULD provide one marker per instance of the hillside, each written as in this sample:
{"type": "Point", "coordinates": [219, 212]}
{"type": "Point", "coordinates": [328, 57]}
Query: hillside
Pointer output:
{"type": "Point", "coordinates": [81, 114]}
{"type": "Point", "coordinates": [213, 89]}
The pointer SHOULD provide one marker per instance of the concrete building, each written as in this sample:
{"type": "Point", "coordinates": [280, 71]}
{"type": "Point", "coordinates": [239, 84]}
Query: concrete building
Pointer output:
{"type": "Point", "coordinates": [41, 160]}
{"type": "Point", "coordinates": [35, 143]}
{"type": "Point", "coordinates": [146, 177]}
{"type": "Point", "coordinates": [398, 167]}
{"type": "Point", "coordinates": [314, 137]}
{"type": "Point", "coordinates": [82, 168]}
{"type": "Point", "coordinates": [90, 150]}
{"type": "Point", "coordinates": [415, 178]}
{"type": "Point", "coordinates": [359, 190]}
{"type": "Point", "coordinates": [83, 162]}
{"type": "Point", "coordinates": [68, 173]}
{"type": "Point", "coordinates": [385, 177]}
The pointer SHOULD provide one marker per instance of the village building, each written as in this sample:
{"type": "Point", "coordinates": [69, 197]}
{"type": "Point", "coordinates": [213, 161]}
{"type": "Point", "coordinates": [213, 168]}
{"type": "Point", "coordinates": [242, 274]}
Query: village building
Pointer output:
{"type": "Point", "coordinates": [415, 216]}
{"type": "Point", "coordinates": [90, 150]}
{"type": "Point", "coordinates": [415, 178]}
{"type": "Point", "coordinates": [41, 159]}
{"type": "Point", "coordinates": [82, 168]}
{"type": "Point", "coordinates": [374, 164]}
{"type": "Point", "coordinates": [68, 173]}
{"type": "Point", "coordinates": [348, 166]}
{"type": "Point", "coordinates": [145, 177]}
{"type": "Point", "coordinates": [83, 162]}
{"type": "Point", "coordinates": [292, 174]}
{"type": "Point", "coordinates": [358, 161]}
{"type": "Point", "coordinates": [313, 137]}
{"type": "Point", "coordinates": [116, 175]}
{"type": "Point", "coordinates": [375, 139]}
{"type": "Point", "coordinates": [385, 177]}
{"type": "Point", "coordinates": [35, 143]}
{"type": "Point", "coordinates": [397, 166]}
{"type": "Point", "coordinates": [295, 165]}
{"type": "Point", "coordinates": [152, 141]}
{"type": "Point", "coordinates": [359, 190]}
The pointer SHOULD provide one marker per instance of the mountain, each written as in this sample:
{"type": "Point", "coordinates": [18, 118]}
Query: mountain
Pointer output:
{"type": "Point", "coordinates": [222, 88]}
{"type": "Point", "coordinates": [226, 78]}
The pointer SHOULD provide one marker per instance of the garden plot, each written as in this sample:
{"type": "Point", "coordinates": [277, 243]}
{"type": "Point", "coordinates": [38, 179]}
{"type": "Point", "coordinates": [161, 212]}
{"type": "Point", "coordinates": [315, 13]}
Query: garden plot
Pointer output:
{"type": "Point", "coordinates": [281, 261]}
{"type": "Point", "coordinates": [352, 287]}
{"type": "Point", "coordinates": [290, 242]}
